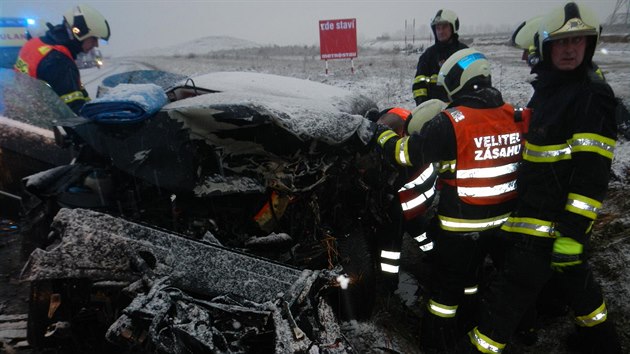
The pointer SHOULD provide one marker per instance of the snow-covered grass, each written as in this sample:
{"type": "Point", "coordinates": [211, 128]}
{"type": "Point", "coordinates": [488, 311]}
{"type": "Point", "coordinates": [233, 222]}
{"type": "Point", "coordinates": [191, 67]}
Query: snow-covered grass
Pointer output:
{"type": "Point", "coordinates": [383, 73]}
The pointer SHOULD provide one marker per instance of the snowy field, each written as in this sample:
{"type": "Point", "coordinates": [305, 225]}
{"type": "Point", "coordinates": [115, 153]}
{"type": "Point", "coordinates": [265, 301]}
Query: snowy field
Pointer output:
{"type": "Point", "coordinates": [380, 72]}
{"type": "Point", "coordinates": [385, 75]}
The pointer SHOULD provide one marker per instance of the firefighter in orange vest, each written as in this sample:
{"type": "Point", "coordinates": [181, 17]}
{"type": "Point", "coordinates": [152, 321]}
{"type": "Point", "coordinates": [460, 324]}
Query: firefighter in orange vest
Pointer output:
{"type": "Point", "coordinates": [51, 58]}
{"type": "Point", "coordinates": [409, 210]}
{"type": "Point", "coordinates": [477, 142]}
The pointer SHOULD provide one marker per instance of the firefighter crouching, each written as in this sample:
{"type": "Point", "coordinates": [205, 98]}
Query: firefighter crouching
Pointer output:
{"type": "Point", "coordinates": [477, 142]}
{"type": "Point", "coordinates": [409, 210]}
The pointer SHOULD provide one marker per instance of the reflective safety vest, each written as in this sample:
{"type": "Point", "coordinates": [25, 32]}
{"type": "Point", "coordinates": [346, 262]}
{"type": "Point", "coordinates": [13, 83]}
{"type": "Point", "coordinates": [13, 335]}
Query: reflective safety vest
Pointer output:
{"type": "Point", "coordinates": [417, 194]}
{"type": "Point", "coordinates": [489, 145]}
{"type": "Point", "coordinates": [32, 54]}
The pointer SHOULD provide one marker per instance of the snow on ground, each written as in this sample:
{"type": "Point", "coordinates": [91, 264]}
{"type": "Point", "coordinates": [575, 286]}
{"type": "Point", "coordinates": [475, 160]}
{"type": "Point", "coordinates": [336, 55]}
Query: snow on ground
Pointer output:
{"type": "Point", "coordinates": [384, 73]}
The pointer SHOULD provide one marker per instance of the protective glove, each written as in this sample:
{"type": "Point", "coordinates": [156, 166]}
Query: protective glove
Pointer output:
{"type": "Point", "coordinates": [566, 252]}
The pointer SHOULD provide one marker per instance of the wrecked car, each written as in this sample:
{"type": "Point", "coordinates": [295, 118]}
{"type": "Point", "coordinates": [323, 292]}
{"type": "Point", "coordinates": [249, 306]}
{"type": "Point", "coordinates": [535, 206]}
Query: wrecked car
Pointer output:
{"type": "Point", "coordinates": [147, 290]}
{"type": "Point", "coordinates": [271, 168]}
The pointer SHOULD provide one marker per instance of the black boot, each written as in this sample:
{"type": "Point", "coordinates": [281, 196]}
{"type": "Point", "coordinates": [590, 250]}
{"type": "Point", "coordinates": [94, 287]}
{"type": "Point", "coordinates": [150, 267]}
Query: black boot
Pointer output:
{"type": "Point", "coordinates": [527, 331]}
{"type": "Point", "coordinates": [438, 334]}
{"type": "Point", "coordinates": [387, 283]}
{"type": "Point", "coordinates": [467, 314]}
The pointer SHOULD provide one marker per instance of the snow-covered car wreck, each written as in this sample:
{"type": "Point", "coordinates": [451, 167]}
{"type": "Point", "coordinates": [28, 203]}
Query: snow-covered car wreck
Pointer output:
{"type": "Point", "coordinates": [230, 219]}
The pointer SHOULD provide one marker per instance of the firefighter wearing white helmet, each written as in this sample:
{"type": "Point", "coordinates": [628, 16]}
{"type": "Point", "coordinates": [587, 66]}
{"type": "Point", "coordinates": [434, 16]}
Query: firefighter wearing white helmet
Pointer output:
{"type": "Point", "coordinates": [476, 142]}
{"type": "Point", "coordinates": [466, 68]}
{"type": "Point", "coordinates": [523, 38]}
{"type": "Point", "coordinates": [571, 21]}
{"type": "Point", "coordinates": [51, 57]}
{"type": "Point", "coordinates": [85, 22]}
{"type": "Point", "coordinates": [412, 197]}
{"type": "Point", "coordinates": [562, 183]}
{"type": "Point", "coordinates": [445, 27]}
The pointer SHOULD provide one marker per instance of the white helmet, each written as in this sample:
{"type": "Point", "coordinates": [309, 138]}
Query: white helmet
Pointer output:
{"type": "Point", "coordinates": [523, 36]}
{"type": "Point", "coordinates": [466, 66]}
{"type": "Point", "coordinates": [446, 16]}
{"type": "Point", "coordinates": [424, 113]}
{"type": "Point", "coordinates": [570, 20]}
{"type": "Point", "coordinates": [84, 21]}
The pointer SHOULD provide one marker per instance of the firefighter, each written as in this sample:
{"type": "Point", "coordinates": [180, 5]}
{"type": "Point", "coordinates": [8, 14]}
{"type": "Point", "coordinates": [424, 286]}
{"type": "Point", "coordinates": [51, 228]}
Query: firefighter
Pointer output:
{"type": "Point", "coordinates": [444, 25]}
{"type": "Point", "coordinates": [523, 37]}
{"type": "Point", "coordinates": [477, 142]}
{"type": "Point", "coordinates": [561, 186]}
{"type": "Point", "coordinates": [51, 58]}
{"type": "Point", "coordinates": [409, 210]}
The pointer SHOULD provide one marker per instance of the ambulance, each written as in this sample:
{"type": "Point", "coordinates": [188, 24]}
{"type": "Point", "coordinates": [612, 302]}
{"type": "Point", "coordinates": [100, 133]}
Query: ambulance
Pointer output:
{"type": "Point", "coordinates": [14, 32]}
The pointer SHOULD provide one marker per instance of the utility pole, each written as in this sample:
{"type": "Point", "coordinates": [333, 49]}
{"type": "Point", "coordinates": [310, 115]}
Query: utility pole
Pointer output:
{"type": "Point", "coordinates": [405, 34]}
{"type": "Point", "coordinates": [413, 40]}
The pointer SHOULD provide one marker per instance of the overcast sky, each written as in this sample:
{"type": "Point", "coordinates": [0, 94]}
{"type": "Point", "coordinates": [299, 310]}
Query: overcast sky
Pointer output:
{"type": "Point", "coordinates": [144, 24]}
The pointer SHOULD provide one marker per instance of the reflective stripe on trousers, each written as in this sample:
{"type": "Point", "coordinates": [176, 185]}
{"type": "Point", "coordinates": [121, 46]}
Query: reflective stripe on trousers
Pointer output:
{"type": "Point", "coordinates": [389, 261]}
{"type": "Point", "coordinates": [484, 343]}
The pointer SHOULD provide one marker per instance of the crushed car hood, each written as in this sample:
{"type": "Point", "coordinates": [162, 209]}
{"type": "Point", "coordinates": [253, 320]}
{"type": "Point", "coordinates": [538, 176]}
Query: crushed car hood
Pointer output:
{"type": "Point", "coordinates": [309, 110]}
{"type": "Point", "coordinates": [227, 120]}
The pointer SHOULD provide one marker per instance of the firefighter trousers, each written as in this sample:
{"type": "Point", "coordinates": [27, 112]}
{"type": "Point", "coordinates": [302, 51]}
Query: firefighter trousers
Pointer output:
{"type": "Point", "coordinates": [526, 271]}
{"type": "Point", "coordinates": [459, 265]}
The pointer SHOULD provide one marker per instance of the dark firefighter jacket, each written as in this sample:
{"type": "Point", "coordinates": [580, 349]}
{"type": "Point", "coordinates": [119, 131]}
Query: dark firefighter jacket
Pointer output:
{"type": "Point", "coordinates": [566, 161]}
{"type": "Point", "coordinates": [55, 67]}
{"type": "Point", "coordinates": [437, 142]}
{"type": "Point", "coordinates": [425, 82]}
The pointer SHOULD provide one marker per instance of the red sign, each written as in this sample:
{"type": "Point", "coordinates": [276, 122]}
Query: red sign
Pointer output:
{"type": "Point", "coordinates": [338, 38]}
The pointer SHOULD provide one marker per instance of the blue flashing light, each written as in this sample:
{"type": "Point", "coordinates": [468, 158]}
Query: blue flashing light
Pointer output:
{"type": "Point", "coordinates": [30, 21]}
{"type": "Point", "coordinates": [469, 59]}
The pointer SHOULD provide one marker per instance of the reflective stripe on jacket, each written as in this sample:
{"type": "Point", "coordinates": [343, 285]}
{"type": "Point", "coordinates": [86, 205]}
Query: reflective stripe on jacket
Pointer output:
{"type": "Point", "coordinates": [417, 194]}
{"type": "Point", "coordinates": [567, 158]}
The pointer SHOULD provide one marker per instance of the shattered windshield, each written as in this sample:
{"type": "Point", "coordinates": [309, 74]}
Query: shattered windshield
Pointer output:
{"type": "Point", "coordinates": [30, 101]}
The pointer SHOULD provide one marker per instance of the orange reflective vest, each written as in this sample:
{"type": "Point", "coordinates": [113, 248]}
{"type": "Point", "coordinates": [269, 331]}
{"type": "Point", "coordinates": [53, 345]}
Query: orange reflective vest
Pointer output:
{"type": "Point", "coordinates": [489, 146]}
{"type": "Point", "coordinates": [32, 54]}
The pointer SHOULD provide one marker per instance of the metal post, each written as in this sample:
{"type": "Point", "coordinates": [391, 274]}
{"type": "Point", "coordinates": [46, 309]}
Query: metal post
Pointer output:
{"type": "Point", "coordinates": [413, 31]}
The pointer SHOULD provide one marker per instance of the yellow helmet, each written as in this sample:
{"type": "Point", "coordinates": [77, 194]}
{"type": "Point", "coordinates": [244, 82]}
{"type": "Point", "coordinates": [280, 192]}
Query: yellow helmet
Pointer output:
{"type": "Point", "coordinates": [84, 21]}
{"type": "Point", "coordinates": [446, 16]}
{"type": "Point", "coordinates": [466, 66]}
{"type": "Point", "coordinates": [570, 20]}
